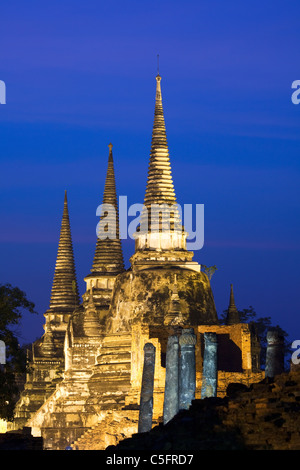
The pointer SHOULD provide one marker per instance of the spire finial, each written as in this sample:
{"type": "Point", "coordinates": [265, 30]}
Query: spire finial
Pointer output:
{"type": "Point", "coordinates": [110, 155]}
{"type": "Point", "coordinates": [231, 300]}
{"type": "Point", "coordinates": [233, 315]}
{"type": "Point", "coordinates": [158, 79]}
{"type": "Point", "coordinates": [160, 188]}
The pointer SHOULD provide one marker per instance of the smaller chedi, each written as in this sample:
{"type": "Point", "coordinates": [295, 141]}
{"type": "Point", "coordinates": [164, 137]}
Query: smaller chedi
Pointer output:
{"type": "Point", "coordinates": [90, 383]}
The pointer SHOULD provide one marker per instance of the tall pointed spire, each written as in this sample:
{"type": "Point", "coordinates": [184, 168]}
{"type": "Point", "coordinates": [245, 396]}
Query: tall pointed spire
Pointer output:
{"type": "Point", "coordinates": [160, 188]}
{"type": "Point", "coordinates": [64, 294]}
{"type": "Point", "coordinates": [233, 315]}
{"type": "Point", "coordinates": [160, 232]}
{"type": "Point", "coordinates": [108, 254]}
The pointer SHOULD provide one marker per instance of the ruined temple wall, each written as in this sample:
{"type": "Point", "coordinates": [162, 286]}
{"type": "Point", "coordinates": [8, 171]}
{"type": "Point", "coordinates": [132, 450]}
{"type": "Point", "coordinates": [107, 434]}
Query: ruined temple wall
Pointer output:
{"type": "Point", "coordinates": [234, 360]}
{"type": "Point", "coordinates": [106, 374]}
{"type": "Point", "coordinates": [141, 336]}
{"type": "Point", "coordinates": [41, 381]}
{"type": "Point", "coordinates": [234, 346]}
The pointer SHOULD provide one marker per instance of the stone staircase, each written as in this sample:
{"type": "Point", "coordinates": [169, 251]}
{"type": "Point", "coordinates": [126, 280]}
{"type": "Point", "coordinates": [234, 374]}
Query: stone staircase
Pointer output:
{"type": "Point", "coordinates": [113, 428]}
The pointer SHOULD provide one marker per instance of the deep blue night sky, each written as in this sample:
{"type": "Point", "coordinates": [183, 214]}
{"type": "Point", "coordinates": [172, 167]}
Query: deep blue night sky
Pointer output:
{"type": "Point", "coordinates": [82, 74]}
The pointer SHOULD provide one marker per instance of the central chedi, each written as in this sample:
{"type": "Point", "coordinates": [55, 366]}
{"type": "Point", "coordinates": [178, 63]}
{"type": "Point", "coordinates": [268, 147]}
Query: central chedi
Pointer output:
{"type": "Point", "coordinates": [161, 262]}
{"type": "Point", "coordinates": [163, 294]}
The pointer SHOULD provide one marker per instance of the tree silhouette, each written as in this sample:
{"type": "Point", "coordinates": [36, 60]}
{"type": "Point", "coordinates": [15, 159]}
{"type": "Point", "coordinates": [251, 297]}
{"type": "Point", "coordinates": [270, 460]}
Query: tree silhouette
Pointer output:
{"type": "Point", "coordinates": [13, 302]}
{"type": "Point", "coordinates": [209, 270]}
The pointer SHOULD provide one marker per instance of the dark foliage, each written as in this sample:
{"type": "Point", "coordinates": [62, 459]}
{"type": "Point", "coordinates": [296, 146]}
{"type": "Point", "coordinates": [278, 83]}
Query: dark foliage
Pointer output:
{"type": "Point", "coordinates": [13, 302]}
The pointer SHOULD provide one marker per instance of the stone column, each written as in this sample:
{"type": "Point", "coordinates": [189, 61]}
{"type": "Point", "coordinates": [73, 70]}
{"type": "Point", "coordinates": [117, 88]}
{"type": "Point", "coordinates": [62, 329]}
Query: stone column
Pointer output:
{"type": "Point", "coordinates": [210, 366]}
{"type": "Point", "coordinates": [187, 380]}
{"type": "Point", "coordinates": [275, 354]}
{"type": "Point", "coordinates": [172, 376]}
{"type": "Point", "coordinates": [146, 400]}
{"type": "Point", "coordinates": [2, 353]}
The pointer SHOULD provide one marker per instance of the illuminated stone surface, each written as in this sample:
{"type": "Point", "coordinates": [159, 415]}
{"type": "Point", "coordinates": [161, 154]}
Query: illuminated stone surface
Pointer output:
{"type": "Point", "coordinates": [171, 395]}
{"type": "Point", "coordinates": [64, 295]}
{"type": "Point", "coordinates": [146, 400]}
{"type": "Point", "coordinates": [187, 381]}
{"type": "Point", "coordinates": [95, 401]}
{"type": "Point", "coordinates": [47, 353]}
{"type": "Point", "coordinates": [158, 241]}
{"type": "Point", "coordinates": [210, 366]}
{"type": "Point", "coordinates": [108, 256]}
